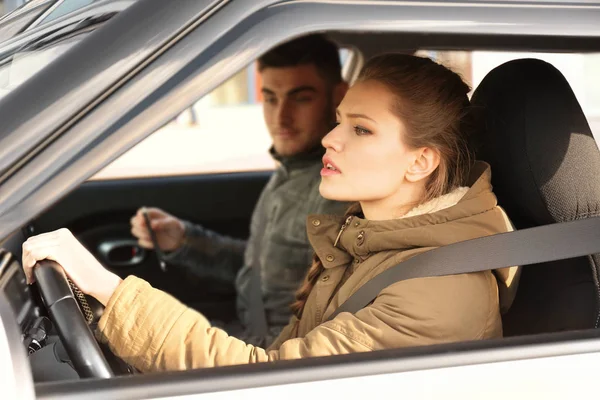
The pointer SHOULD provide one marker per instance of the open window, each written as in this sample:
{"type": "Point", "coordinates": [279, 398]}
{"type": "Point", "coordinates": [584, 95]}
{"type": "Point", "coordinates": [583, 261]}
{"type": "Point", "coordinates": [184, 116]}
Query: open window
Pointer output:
{"type": "Point", "coordinates": [223, 132]}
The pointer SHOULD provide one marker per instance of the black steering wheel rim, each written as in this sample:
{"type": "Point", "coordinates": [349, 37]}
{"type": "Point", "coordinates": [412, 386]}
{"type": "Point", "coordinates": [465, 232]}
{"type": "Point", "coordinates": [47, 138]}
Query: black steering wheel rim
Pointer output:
{"type": "Point", "coordinates": [75, 334]}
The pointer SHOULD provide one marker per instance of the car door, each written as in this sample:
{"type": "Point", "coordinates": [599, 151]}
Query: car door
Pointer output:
{"type": "Point", "coordinates": [120, 121]}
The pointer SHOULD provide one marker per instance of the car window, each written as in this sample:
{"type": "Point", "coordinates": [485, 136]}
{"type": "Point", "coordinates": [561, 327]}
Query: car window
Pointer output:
{"type": "Point", "coordinates": [223, 132]}
{"type": "Point", "coordinates": [581, 70]}
{"type": "Point", "coordinates": [63, 8]}
{"type": "Point", "coordinates": [199, 140]}
{"type": "Point", "coordinates": [22, 17]}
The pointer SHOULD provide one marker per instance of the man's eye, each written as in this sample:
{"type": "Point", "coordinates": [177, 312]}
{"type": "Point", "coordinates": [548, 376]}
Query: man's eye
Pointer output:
{"type": "Point", "coordinates": [303, 99]}
{"type": "Point", "coordinates": [360, 131]}
{"type": "Point", "coordinates": [270, 100]}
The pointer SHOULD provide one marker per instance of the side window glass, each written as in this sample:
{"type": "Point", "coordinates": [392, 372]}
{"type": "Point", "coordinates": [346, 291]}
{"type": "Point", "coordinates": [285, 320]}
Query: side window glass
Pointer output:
{"type": "Point", "coordinates": [222, 132]}
{"type": "Point", "coordinates": [580, 70]}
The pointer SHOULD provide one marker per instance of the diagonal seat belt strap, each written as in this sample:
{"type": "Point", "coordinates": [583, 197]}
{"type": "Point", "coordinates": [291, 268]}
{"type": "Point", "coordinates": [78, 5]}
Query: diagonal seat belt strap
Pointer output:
{"type": "Point", "coordinates": [259, 327]}
{"type": "Point", "coordinates": [553, 242]}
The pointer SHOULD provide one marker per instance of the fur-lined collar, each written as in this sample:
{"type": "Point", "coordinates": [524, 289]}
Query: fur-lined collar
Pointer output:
{"type": "Point", "coordinates": [439, 203]}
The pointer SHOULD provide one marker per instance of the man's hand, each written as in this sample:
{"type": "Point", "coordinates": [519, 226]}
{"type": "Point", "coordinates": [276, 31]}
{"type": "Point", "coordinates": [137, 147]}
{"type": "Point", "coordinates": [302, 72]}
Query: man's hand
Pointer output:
{"type": "Point", "coordinates": [79, 264]}
{"type": "Point", "coordinates": [169, 230]}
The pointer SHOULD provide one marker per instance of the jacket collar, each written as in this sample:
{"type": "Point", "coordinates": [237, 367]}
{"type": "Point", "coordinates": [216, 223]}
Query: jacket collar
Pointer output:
{"type": "Point", "coordinates": [445, 201]}
{"type": "Point", "coordinates": [360, 237]}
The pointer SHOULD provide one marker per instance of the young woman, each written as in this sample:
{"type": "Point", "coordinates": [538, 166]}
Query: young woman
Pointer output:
{"type": "Point", "coordinates": [399, 150]}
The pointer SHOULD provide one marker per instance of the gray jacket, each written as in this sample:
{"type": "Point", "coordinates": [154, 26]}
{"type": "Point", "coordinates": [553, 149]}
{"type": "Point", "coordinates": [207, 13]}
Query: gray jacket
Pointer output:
{"type": "Point", "coordinates": [277, 233]}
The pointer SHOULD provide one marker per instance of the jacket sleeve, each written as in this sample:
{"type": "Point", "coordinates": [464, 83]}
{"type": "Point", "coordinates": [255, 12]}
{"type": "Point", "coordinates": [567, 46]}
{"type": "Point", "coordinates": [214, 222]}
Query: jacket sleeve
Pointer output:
{"type": "Point", "coordinates": [154, 332]}
{"type": "Point", "coordinates": [207, 254]}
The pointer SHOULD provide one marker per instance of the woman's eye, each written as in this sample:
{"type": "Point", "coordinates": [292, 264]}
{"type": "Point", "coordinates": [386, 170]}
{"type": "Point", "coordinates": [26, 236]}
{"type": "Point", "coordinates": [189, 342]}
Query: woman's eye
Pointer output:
{"type": "Point", "coordinates": [360, 131]}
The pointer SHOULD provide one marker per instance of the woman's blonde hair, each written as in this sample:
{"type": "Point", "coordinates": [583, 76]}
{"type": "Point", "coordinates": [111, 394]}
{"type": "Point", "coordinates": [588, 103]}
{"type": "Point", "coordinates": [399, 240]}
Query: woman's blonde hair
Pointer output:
{"type": "Point", "coordinates": [432, 102]}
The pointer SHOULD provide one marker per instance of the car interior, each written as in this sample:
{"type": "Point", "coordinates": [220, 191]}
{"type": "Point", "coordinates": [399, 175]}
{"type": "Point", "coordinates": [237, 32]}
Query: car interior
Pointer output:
{"type": "Point", "coordinates": [544, 161]}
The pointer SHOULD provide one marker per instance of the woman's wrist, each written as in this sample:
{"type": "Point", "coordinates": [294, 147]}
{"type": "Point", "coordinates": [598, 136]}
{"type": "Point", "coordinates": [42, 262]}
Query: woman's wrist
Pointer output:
{"type": "Point", "coordinates": [106, 287]}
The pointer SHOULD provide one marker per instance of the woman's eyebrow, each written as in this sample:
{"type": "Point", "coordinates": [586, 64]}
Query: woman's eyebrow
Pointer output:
{"type": "Point", "coordinates": [355, 115]}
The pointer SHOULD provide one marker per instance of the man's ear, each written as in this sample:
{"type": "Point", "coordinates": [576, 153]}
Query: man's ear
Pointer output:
{"type": "Point", "coordinates": [426, 161]}
{"type": "Point", "coordinates": [339, 91]}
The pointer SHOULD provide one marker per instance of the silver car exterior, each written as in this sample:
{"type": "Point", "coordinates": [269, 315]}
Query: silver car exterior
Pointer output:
{"type": "Point", "coordinates": [117, 97]}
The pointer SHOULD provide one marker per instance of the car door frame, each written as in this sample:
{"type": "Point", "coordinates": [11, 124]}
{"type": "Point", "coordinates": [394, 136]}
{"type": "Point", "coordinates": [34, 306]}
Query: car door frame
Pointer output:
{"type": "Point", "coordinates": [194, 64]}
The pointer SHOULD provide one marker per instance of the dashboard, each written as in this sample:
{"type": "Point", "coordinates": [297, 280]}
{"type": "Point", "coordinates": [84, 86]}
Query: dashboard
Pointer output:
{"type": "Point", "coordinates": [20, 295]}
{"type": "Point", "coordinates": [14, 286]}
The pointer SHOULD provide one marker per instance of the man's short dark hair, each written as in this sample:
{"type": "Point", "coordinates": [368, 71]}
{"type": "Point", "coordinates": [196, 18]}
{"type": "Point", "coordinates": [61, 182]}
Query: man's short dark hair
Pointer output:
{"type": "Point", "coordinates": [314, 49]}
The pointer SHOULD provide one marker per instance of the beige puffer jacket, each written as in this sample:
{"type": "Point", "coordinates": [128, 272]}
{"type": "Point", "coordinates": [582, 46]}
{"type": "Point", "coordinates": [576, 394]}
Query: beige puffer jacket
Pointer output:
{"type": "Point", "coordinates": [153, 331]}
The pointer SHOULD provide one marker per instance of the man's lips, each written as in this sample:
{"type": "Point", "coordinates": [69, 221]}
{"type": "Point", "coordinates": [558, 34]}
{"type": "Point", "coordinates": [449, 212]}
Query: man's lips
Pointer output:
{"type": "Point", "coordinates": [285, 133]}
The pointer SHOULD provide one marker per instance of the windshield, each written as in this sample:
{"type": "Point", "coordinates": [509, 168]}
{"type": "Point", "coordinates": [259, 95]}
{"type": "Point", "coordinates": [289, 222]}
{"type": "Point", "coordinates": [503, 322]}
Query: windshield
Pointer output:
{"type": "Point", "coordinates": [62, 8]}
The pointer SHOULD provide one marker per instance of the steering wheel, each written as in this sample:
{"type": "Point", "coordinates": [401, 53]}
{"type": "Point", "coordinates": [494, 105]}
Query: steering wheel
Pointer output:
{"type": "Point", "coordinates": [76, 336]}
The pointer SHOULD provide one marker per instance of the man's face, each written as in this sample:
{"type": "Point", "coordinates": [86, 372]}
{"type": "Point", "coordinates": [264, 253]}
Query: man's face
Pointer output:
{"type": "Point", "coordinates": [298, 107]}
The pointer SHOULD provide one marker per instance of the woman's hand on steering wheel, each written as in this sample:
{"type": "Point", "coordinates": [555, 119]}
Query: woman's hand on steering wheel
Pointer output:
{"type": "Point", "coordinates": [79, 264]}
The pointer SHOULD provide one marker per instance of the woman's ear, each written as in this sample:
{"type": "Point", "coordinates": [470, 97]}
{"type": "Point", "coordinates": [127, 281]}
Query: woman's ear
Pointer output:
{"type": "Point", "coordinates": [426, 161]}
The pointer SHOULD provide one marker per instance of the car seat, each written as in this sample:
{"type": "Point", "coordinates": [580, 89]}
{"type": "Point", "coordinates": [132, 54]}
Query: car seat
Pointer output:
{"type": "Point", "coordinates": [545, 169]}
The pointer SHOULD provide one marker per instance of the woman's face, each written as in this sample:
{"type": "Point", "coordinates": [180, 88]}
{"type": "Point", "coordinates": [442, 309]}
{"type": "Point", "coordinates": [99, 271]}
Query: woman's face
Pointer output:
{"type": "Point", "coordinates": [366, 159]}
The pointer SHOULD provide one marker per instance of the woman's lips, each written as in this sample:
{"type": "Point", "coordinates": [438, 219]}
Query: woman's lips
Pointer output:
{"type": "Point", "coordinates": [329, 172]}
{"type": "Point", "coordinates": [329, 168]}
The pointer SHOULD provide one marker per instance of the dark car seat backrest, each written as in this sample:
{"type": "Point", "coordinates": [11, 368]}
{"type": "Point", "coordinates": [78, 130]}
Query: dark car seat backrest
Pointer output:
{"type": "Point", "coordinates": [545, 169]}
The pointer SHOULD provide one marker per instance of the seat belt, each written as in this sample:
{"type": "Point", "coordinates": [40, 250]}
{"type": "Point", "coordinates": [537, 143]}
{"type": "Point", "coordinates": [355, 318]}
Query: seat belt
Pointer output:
{"type": "Point", "coordinates": [540, 244]}
{"type": "Point", "coordinates": [259, 327]}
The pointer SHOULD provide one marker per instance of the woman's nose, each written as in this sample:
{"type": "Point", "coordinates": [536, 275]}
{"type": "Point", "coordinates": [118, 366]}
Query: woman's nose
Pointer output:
{"type": "Point", "coordinates": [333, 139]}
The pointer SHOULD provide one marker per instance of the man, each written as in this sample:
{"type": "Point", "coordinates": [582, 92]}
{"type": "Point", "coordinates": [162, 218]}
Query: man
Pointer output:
{"type": "Point", "coordinates": [302, 86]}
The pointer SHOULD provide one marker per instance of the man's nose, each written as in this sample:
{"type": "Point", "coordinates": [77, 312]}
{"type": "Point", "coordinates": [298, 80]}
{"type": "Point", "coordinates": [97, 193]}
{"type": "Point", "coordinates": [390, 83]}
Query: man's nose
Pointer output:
{"type": "Point", "coordinates": [285, 113]}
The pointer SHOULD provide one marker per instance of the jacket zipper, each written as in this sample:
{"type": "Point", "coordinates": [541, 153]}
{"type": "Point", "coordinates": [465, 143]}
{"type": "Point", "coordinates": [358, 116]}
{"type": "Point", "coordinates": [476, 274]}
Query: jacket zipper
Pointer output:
{"type": "Point", "coordinates": [337, 239]}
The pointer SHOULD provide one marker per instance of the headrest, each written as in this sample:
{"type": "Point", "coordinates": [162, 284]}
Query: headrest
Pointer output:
{"type": "Point", "coordinates": [545, 161]}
